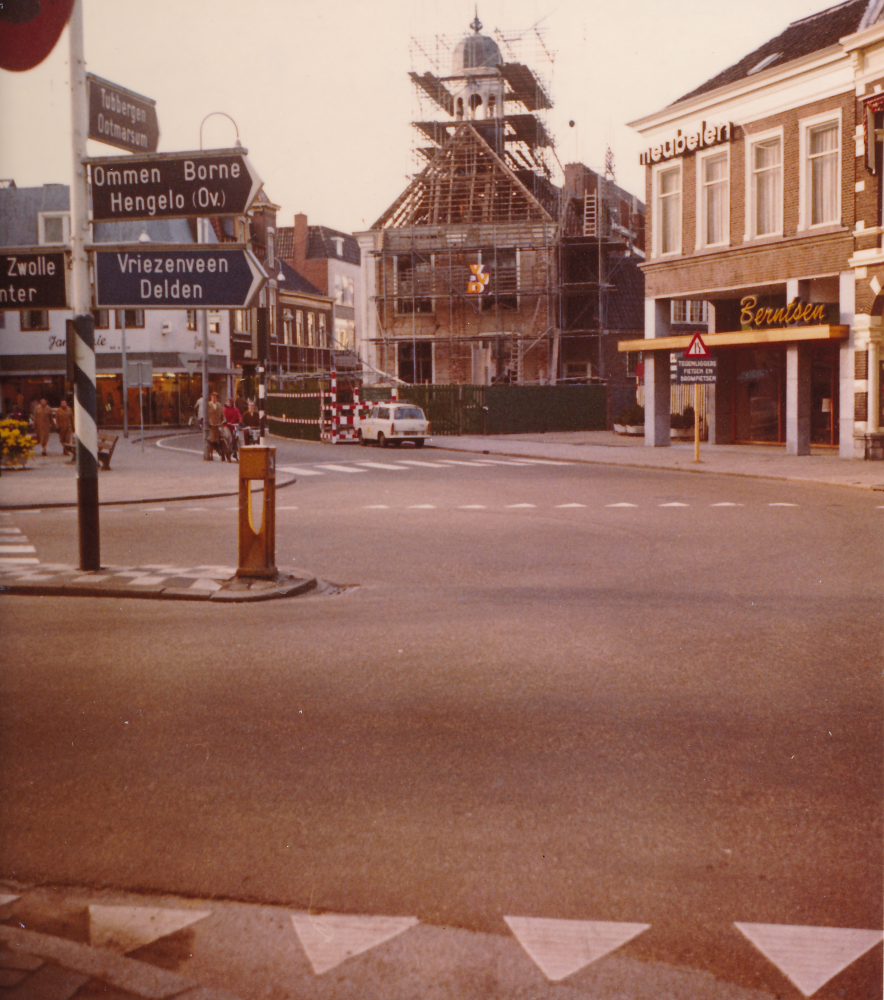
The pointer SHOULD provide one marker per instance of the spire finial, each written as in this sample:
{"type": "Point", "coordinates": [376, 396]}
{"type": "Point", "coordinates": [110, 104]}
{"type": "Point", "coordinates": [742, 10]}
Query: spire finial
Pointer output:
{"type": "Point", "coordinates": [476, 24]}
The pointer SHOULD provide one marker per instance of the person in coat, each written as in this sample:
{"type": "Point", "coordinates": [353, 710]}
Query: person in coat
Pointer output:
{"type": "Point", "coordinates": [42, 423]}
{"type": "Point", "coordinates": [216, 421]}
{"type": "Point", "coordinates": [64, 424]}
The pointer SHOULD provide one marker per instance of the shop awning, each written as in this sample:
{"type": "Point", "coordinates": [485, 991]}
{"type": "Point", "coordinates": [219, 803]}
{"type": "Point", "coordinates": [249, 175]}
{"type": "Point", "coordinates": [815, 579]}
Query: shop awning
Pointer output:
{"type": "Point", "coordinates": [739, 338]}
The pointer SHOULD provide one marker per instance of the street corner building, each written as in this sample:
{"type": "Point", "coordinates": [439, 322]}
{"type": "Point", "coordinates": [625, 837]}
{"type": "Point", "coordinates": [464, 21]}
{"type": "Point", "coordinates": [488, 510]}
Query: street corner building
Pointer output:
{"type": "Point", "coordinates": [764, 200]}
{"type": "Point", "coordinates": [485, 271]}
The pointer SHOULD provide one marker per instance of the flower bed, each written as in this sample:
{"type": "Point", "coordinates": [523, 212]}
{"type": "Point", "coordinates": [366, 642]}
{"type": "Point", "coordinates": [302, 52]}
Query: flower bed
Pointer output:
{"type": "Point", "coordinates": [16, 444]}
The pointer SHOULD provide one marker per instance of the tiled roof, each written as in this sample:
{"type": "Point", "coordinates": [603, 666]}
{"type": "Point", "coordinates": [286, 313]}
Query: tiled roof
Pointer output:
{"type": "Point", "coordinates": [320, 244]}
{"type": "Point", "coordinates": [295, 282]}
{"type": "Point", "coordinates": [801, 38]}
{"type": "Point", "coordinates": [19, 208]}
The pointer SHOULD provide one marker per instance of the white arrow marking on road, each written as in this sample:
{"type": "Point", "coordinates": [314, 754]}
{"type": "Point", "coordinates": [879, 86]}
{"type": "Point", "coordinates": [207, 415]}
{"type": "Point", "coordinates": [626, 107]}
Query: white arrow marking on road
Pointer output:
{"type": "Point", "coordinates": [125, 928]}
{"type": "Point", "coordinates": [810, 956]}
{"type": "Point", "coordinates": [332, 938]}
{"type": "Point", "coordinates": [571, 505]}
{"type": "Point", "coordinates": [620, 505]}
{"type": "Point", "coordinates": [561, 947]}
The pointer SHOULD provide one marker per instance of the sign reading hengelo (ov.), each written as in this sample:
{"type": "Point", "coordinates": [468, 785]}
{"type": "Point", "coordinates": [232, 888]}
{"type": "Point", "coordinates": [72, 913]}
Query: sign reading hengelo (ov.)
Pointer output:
{"type": "Point", "coordinates": [172, 185]}
{"type": "Point", "coordinates": [32, 279]}
{"type": "Point", "coordinates": [226, 276]}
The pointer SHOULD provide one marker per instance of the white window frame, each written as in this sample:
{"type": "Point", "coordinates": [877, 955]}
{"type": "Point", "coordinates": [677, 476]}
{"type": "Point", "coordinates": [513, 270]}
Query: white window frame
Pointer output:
{"type": "Point", "coordinates": [688, 311]}
{"type": "Point", "coordinates": [752, 140]}
{"type": "Point", "coordinates": [657, 218]}
{"type": "Point", "coordinates": [43, 218]}
{"type": "Point", "coordinates": [703, 202]}
{"type": "Point", "coordinates": [805, 182]}
{"type": "Point", "coordinates": [299, 328]}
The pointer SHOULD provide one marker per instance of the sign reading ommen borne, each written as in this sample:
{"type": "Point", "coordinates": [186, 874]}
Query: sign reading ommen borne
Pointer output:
{"type": "Point", "coordinates": [172, 185]}
{"type": "Point", "coordinates": [32, 278]}
{"type": "Point", "coordinates": [190, 277]}
{"type": "Point", "coordinates": [121, 118]}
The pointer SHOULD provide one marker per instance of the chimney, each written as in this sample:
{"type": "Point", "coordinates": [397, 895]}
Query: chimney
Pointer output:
{"type": "Point", "coordinates": [299, 248]}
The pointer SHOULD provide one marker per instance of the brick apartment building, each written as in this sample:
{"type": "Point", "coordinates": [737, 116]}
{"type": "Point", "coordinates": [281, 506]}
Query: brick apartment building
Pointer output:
{"type": "Point", "coordinates": [764, 201]}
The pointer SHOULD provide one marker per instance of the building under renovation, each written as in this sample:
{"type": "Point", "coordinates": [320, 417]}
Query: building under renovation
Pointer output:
{"type": "Point", "coordinates": [463, 272]}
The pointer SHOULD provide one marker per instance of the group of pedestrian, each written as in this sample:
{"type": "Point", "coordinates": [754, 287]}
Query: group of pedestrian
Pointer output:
{"type": "Point", "coordinates": [44, 420]}
{"type": "Point", "coordinates": [226, 423]}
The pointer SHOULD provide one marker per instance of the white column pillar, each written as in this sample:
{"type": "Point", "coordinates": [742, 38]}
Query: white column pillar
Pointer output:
{"type": "Point", "coordinates": [658, 391]}
{"type": "Point", "coordinates": [798, 399]}
{"type": "Point", "coordinates": [847, 443]}
{"type": "Point", "coordinates": [874, 383]}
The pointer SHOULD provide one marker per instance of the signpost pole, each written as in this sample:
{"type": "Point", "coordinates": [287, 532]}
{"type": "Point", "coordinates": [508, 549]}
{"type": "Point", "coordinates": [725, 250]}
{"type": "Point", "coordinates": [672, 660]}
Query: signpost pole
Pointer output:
{"type": "Point", "coordinates": [85, 401]}
{"type": "Point", "coordinates": [141, 400]}
{"type": "Point", "coordinates": [696, 421]}
{"type": "Point", "coordinates": [202, 325]}
{"type": "Point", "coordinates": [125, 380]}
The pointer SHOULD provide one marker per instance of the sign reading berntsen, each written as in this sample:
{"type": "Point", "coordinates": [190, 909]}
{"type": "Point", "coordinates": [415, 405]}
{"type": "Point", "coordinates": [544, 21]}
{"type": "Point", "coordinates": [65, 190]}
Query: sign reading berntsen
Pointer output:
{"type": "Point", "coordinates": [187, 277]}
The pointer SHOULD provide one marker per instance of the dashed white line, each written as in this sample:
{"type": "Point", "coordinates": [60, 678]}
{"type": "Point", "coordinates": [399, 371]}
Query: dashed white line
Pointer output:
{"type": "Point", "coordinates": [521, 505]}
{"type": "Point", "coordinates": [376, 506]}
{"type": "Point", "coordinates": [621, 505]}
{"type": "Point", "coordinates": [343, 468]}
{"type": "Point", "coordinates": [473, 506]}
{"type": "Point", "coordinates": [727, 504]}
{"type": "Point", "coordinates": [381, 465]}
{"type": "Point", "coordinates": [675, 503]}
{"type": "Point", "coordinates": [570, 505]}
{"type": "Point", "coordinates": [422, 506]}
{"type": "Point", "coordinates": [782, 505]}
{"type": "Point", "coordinates": [297, 470]}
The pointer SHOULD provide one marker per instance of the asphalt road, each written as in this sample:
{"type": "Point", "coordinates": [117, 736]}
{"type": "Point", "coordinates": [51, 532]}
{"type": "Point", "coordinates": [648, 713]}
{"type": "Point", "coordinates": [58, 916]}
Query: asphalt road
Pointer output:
{"type": "Point", "coordinates": [532, 702]}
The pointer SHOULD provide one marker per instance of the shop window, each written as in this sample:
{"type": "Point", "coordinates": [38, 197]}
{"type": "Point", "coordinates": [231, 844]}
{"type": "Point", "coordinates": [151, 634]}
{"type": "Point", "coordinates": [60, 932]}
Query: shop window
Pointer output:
{"type": "Point", "coordinates": [54, 228]}
{"type": "Point", "coordinates": [668, 210]}
{"type": "Point", "coordinates": [821, 173]}
{"type": "Point", "coordinates": [134, 319]}
{"type": "Point", "coordinates": [101, 318]}
{"type": "Point", "coordinates": [413, 279]}
{"type": "Point", "coordinates": [34, 319]}
{"type": "Point", "coordinates": [415, 362]}
{"type": "Point", "coordinates": [766, 186]}
{"type": "Point", "coordinates": [713, 229]}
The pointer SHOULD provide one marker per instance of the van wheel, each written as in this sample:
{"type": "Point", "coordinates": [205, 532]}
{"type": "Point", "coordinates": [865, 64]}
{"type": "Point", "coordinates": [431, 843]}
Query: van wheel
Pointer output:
{"type": "Point", "coordinates": [362, 440]}
{"type": "Point", "coordinates": [419, 443]}
{"type": "Point", "coordinates": [382, 441]}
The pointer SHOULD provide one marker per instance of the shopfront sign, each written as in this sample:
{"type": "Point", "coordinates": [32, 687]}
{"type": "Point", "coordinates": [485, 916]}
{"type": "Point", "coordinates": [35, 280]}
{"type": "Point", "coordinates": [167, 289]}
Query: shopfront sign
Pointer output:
{"type": "Point", "coordinates": [226, 276]}
{"type": "Point", "coordinates": [692, 371]}
{"type": "Point", "coordinates": [479, 279]}
{"type": "Point", "coordinates": [796, 313]}
{"type": "Point", "coordinates": [172, 185]}
{"type": "Point", "coordinates": [32, 279]}
{"type": "Point", "coordinates": [121, 118]}
{"type": "Point", "coordinates": [688, 142]}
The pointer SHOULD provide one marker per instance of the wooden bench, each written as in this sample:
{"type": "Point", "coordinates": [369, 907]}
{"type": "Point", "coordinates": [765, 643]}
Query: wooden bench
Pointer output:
{"type": "Point", "coordinates": [106, 445]}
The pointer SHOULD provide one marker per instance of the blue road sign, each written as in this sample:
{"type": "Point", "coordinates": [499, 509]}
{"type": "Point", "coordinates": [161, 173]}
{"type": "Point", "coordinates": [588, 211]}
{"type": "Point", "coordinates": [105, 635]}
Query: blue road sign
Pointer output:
{"type": "Point", "coordinates": [136, 276]}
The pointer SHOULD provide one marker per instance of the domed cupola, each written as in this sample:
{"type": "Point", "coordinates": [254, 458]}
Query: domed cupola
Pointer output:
{"type": "Point", "coordinates": [475, 52]}
{"type": "Point", "coordinates": [476, 80]}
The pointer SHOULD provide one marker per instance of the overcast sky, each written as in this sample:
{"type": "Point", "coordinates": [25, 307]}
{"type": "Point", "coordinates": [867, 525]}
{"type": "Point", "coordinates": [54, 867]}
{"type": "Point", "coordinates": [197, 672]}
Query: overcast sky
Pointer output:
{"type": "Point", "coordinates": [320, 93]}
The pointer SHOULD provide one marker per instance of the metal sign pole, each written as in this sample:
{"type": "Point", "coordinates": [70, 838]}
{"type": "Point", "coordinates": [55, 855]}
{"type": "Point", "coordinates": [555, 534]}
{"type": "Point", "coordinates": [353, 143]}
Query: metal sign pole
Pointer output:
{"type": "Point", "coordinates": [125, 381]}
{"type": "Point", "coordinates": [85, 394]}
{"type": "Point", "coordinates": [696, 421]}
{"type": "Point", "coordinates": [141, 400]}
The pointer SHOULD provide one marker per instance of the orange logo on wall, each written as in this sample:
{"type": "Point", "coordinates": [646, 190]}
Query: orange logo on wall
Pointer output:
{"type": "Point", "coordinates": [479, 279]}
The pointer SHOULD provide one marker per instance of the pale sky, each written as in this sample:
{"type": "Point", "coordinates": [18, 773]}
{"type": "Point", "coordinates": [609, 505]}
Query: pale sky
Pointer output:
{"type": "Point", "coordinates": [320, 93]}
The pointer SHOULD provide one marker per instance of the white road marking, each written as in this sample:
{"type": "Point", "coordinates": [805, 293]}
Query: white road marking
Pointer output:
{"type": "Point", "coordinates": [561, 947]}
{"type": "Point", "coordinates": [422, 506]}
{"type": "Point", "coordinates": [727, 504]}
{"type": "Point", "coordinates": [674, 504]}
{"type": "Point", "coordinates": [421, 465]}
{"type": "Point", "coordinates": [521, 505]}
{"type": "Point", "coordinates": [543, 461]}
{"type": "Point", "coordinates": [10, 531]}
{"type": "Point", "coordinates": [782, 505]}
{"type": "Point", "coordinates": [621, 505]}
{"type": "Point", "coordinates": [570, 505]}
{"type": "Point", "coordinates": [456, 461]}
{"type": "Point", "coordinates": [382, 465]}
{"type": "Point", "coordinates": [473, 506]}
{"type": "Point", "coordinates": [343, 468]}
{"type": "Point", "coordinates": [286, 508]}
{"type": "Point", "coordinates": [151, 510]}
{"type": "Point", "coordinates": [376, 506]}
{"type": "Point", "coordinates": [332, 938]}
{"type": "Point", "coordinates": [18, 561]}
{"type": "Point", "coordinates": [296, 470]}
{"type": "Point", "coordinates": [810, 956]}
{"type": "Point", "coordinates": [10, 549]}
{"type": "Point", "coordinates": [125, 928]}
{"type": "Point", "coordinates": [501, 461]}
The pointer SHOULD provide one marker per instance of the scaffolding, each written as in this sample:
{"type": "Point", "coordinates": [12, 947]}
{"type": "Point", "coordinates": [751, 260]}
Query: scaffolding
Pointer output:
{"type": "Point", "coordinates": [484, 197]}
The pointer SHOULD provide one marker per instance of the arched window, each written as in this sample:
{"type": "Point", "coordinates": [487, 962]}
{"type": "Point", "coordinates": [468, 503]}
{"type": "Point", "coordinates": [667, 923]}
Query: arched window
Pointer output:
{"type": "Point", "coordinates": [475, 105]}
{"type": "Point", "coordinates": [460, 107]}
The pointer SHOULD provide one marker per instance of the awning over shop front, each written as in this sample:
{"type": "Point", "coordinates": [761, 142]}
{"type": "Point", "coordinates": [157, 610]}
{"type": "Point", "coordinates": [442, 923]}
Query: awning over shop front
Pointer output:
{"type": "Point", "coordinates": [739, 338]}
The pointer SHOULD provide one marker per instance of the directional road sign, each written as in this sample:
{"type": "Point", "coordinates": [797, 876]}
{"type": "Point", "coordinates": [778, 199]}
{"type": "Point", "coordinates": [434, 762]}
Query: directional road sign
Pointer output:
{"type": "Point", "coordinates": [32, 279]}
{"type": "Point", "coordinates": [159, 276]}
{"type": "Point", "coordinates": [172, 185]}
{"type": "Point", "coordinates": [121, 118]}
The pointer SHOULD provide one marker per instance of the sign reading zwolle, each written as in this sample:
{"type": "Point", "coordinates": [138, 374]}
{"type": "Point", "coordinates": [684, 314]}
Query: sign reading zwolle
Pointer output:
{"type": "Point", "coordinates": [227, 276]}
{"type": "Point", "coordinates": [121, 118]}
{"type": "Point", "coordinates": [32, 278]}
{"type": "Point", "coordinates": [172, 185]}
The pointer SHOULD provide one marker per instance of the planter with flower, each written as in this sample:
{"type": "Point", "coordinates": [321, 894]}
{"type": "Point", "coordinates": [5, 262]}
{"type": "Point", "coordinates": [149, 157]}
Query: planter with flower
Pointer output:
{"type": "Point", "coordinates": [16, 445]}
{"type": "Point", "coordinates": [630, 420]}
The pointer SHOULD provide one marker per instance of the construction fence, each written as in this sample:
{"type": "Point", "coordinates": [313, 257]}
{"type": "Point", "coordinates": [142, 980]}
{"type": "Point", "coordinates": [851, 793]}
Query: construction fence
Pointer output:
{"type": "Point", "coordinates": [326, 409]}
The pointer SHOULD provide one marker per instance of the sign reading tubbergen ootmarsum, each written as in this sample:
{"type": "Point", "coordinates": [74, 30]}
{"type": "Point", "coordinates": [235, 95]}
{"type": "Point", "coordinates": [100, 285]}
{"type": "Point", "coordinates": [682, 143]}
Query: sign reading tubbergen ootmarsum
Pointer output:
{"type": "Point", "coordinates": [227, 276]}
{"type": "Point", "coordinates": [120, 117]}
{"type": "Point", "coordinates": [172, 185]}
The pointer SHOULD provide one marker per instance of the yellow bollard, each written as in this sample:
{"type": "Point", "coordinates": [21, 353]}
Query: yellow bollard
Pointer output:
{"type": "Point", "coordinates": [257, 549]}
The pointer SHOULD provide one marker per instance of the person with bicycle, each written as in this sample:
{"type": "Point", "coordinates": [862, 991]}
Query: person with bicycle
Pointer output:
{"type": "Point", "coordinates": [232, 418]}
{"type": "Point", "coordinates": [251, 424]}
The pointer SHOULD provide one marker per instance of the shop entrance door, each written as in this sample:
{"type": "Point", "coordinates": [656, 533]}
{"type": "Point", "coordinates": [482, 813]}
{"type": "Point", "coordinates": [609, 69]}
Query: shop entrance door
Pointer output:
{"type": "Point", "coordinates": [759, 397]}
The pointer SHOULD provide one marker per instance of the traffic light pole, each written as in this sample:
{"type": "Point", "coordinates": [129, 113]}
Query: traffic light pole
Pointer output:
{"type": "Point", "coordinates": [85, 397]}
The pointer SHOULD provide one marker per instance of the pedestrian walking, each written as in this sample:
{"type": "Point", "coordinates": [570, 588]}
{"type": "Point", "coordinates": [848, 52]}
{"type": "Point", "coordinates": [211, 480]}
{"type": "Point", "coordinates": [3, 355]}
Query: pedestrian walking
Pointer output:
{"type": "Point", "coordinates": [64, 424]}
{"type": "Point", "coordinates": [42, 418]}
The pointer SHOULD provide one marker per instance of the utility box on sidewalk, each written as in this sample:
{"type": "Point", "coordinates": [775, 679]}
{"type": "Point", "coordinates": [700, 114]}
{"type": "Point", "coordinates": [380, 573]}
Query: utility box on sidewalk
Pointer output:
{"type": "Point", "coordinates": [257, 547]}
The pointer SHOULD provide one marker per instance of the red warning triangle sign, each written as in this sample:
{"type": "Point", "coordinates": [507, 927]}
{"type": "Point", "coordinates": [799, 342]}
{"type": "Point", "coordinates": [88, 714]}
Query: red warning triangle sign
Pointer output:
{"type": "Point", "coordinates": [696, 348]}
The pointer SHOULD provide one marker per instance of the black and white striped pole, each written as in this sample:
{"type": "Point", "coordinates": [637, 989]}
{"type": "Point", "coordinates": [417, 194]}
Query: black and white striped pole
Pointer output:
{"type": "Point", "coordinates": [85, 407]}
